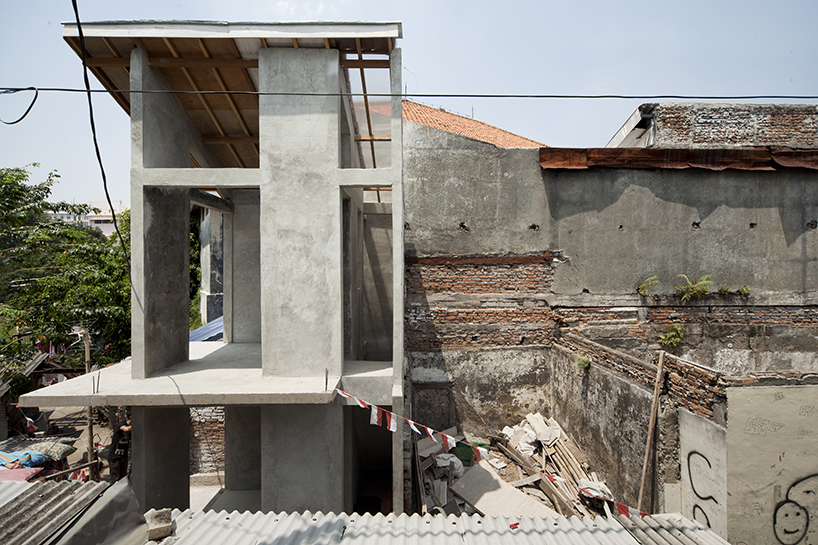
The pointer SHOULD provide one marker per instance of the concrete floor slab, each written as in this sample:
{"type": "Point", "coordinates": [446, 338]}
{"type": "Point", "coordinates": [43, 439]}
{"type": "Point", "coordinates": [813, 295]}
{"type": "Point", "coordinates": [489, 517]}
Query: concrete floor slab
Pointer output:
{"type": "Point", "coordinates": [216, 374]}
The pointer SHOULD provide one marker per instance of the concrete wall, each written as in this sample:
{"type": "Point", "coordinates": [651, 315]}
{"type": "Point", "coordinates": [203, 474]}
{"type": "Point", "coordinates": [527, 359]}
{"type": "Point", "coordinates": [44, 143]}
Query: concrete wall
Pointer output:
{"type": "Point", "coordinates": [244, 289]}
{"type": "Point", "coordinates": [703, 471]}
{"type": "Point", "coordinates": [211, 237]}
{"type": "Point", "coordinates": [772, 465]}
{"type": "Point", "coordinates": [377, 293]}
{"type": "Point", "coordinates": [616, 227]}
{"type": "Point", "coordinates": [302, 324]}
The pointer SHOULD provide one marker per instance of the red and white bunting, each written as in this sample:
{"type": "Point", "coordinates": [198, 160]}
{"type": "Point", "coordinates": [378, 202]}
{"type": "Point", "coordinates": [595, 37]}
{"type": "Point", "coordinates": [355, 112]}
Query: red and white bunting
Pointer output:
{"type": "Point", "coordinates": [623, 509]}
{"type": "Point", "coordinates": [412, 425]}
{"type": "Point", "coordinates": [448, 441]}
{"type": "Point", "coordinates": [430, 433]}
{"type": "Point", "coordinates": [361, 403]}
{"type": "Point", "coordinates": [375, 415]}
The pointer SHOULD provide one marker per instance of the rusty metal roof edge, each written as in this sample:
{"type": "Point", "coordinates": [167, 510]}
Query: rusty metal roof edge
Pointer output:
{"type": "Point", "coordinates": [767, 158]}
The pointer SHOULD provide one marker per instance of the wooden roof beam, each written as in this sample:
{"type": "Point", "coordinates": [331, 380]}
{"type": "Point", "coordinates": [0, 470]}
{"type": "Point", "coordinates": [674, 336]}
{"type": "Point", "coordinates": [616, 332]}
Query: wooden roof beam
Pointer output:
{"type": "Point", "coordinates": [230, 99]}
{"type": "Point", "coordinates": [366, 107]}
{"type": "Point", "coordinates": [204, 102]}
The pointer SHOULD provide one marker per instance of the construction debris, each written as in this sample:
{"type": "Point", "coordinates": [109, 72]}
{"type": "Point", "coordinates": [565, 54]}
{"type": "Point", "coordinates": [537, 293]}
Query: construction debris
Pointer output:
{"type": "Point", "coordinates": [534, 469]}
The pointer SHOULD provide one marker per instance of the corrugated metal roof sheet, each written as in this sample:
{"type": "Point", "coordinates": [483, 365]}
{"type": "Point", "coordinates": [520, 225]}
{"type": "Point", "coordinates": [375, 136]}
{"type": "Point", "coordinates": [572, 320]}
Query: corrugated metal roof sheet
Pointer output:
{"type": "Point", "coordinates": [673, 529]}
{"type": "Point", "coordinates": [11, 489]}
{"type": "Point", "coordinates": [31, 365]}
{"type": "Point", "coordinates": [210, 527]}
{"type": "Point", "coordinates": [211, 331]}
{"type": "Point", "coordinates": [40, 509]}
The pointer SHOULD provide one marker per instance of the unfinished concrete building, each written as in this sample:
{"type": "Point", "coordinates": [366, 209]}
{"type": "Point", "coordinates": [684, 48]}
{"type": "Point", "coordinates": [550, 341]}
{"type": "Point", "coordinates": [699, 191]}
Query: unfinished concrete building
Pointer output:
{"type": "Point", "coordinates": [310, 284]}
{"type": "Point", "coordinates": [470, 296]}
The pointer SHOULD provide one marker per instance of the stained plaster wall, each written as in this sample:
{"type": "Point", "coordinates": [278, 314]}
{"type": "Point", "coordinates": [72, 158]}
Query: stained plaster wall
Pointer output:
{"type": "Point", "coordinates": [772, 465]}
{"type": "Point", "coordinates": [703, 456]}
{"type": "Point", "coordinates": [611, 229]}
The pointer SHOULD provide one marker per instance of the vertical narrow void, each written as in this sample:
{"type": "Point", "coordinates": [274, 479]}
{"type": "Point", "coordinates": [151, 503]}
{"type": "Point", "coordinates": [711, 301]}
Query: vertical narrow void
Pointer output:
{"type": "Point", "coordinates": [368, 451]}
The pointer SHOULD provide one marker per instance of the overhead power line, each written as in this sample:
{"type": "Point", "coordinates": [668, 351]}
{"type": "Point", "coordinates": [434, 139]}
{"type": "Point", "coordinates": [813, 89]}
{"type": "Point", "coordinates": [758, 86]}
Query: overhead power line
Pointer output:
{"type": "Point", "coordinates": [424, 95]}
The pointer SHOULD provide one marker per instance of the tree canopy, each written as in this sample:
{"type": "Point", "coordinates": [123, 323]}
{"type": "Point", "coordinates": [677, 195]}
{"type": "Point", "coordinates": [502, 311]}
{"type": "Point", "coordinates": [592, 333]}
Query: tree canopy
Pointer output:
{"type": "Point", "coordinates": [55, 276]}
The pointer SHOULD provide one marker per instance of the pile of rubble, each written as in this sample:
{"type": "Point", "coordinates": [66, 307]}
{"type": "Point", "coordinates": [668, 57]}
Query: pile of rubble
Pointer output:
{"type": "Point", "coordinates": [512, 481]}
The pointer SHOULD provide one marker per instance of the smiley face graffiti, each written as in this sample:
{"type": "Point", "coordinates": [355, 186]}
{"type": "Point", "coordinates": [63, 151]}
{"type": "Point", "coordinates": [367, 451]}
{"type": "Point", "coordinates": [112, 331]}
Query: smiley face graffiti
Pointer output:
{"type": "Point", "coordinates": [796, 519]}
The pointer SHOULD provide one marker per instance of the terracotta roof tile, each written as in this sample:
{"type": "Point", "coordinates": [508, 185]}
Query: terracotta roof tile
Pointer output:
{"type": "Point", "coordinates": [465, 126]}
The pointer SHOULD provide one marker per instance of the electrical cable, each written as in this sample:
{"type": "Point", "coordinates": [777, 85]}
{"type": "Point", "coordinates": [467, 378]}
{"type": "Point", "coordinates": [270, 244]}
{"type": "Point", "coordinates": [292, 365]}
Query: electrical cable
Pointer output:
{"type": "Point", "coordinates": [30, 106]}
{"type": "Point", "coordinates": [94, 135]}
{"type": "Point", "coordinates": [425, 95]}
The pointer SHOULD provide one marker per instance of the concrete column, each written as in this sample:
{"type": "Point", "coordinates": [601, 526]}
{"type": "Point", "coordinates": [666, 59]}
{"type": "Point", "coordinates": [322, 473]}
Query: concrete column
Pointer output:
{"type": "Point", "coordinates": [302, 458]}
{"type": "Point", "coordinates": [160, 452]}
{"type": "Point", "coordinates": [301, 298]}
{"type": "Point", "coordinates": [242, 447]}
{"type": "Point", "coordinates": [245, 279]}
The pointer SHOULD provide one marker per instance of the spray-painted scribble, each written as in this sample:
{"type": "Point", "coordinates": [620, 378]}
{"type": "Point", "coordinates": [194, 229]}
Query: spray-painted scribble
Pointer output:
{"type": "Point", "coordinates": [695, 464]}
{"type": "Point", "coordinates": [796, 519]}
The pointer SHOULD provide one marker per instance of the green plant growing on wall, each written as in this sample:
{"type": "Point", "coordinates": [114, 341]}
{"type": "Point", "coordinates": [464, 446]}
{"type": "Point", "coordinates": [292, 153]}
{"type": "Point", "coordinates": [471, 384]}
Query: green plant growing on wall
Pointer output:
{"type": "Point", "coordinates": [744, 290]}
{"type": "Point", "coordinates": [694, 288]}
{"type": "Point", "coordinates": [649, 283]}
{"type": "Point", "coordinates": [583, 363]}
{"type": "Point", "coordinates": [673, 337]}
{"type": "Point", "coordinates": [724, 290]}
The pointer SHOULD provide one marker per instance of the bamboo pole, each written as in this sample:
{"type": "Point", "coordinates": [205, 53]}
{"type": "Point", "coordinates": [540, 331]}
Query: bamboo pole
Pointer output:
{"type": "Point", "coordinates": [657, 387]}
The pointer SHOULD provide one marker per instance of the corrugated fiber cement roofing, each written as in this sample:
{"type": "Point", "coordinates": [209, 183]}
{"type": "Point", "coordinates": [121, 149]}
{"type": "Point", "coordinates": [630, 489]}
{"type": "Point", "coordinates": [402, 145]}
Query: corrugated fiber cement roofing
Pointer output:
{"type": "Point", "coordinates": [211, 527]}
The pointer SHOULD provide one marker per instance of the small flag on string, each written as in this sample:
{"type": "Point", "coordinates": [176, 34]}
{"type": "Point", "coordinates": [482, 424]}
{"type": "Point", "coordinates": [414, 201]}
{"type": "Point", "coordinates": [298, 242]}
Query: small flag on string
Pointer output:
{"type": "Point", "coordinates": [623, 509]}
{"type": "Point", "coordinates": [30, 424]}
{"type": "Point", "coordinates": [412, 425]}
{"type": "Point", "coordinates": [375, 416]}
{"type": "Point", "coordinates": [430, 434]}
{"type": "Point", "coordinates": [392, 421]}
{"type": "Point", "coordinates": [361, 403]}
{"type": "Point", "coordinates": [448, 441]}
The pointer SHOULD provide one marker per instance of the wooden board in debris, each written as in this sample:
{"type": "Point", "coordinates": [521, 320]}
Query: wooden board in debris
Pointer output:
{"type": "Point", "coordinates": [492, 496]}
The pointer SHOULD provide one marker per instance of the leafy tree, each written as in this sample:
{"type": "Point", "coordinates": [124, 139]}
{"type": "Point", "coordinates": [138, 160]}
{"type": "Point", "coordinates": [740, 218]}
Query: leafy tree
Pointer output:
{"type": "Point", "coordinates": [55, 276]}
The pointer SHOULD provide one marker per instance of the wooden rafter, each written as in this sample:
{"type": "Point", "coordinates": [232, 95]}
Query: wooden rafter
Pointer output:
{"type": "Point", "coordinates": [365, 63]}
{"type": "Point", "coordinates": [373, 137]}
{"type": "Point", "coordinates": [116, 54]}
{"type": "Point", "coordinates": [100, 74]}
{"type": "Point", "coordinates": [230, 98]}
{"type": "Point", "coordinates": [366, 106]}
{"type": "Point", "coordinates": [204, 102]}
{"type": "Point", "coordinates": [295, 43]}
{"type": "Point", "coordinates": [178, 62]}
{"type": "Point", "coordinates": [249, 139]}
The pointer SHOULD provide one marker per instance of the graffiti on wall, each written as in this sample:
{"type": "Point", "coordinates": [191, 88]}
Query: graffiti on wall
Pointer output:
{"type": "Point", "coordinates": [704, 473]}
{"type": "Point", "coordinates": [795, 520]}
{"type": "Point", "coordinates": [702, 478]}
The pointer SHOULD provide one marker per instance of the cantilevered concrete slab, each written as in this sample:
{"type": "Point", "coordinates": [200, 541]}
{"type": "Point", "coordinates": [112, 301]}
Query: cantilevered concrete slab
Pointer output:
{"type": "Point", "coordinates": [216, 374]}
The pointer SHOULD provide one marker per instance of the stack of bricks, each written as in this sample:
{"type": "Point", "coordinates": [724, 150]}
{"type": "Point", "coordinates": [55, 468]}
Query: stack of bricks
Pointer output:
{"type": "Point", "coordinates": [206, 439]}
{"type": "Point", "coordinates": [488, 321]}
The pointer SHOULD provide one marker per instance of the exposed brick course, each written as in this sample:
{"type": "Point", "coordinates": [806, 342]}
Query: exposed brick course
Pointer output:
{"type": "Point", "coordinates": [206, 439]}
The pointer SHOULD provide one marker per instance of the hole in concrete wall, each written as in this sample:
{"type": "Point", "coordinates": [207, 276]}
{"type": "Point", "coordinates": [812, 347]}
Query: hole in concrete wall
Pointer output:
{"type": "Point", "coordinates": [813, 224]}
{"type": "Point", "coordinates": [406, 226]}
{"type": "Point", "coordinates": [753, 225]}
{"type": "Point", "coordinates": [621, 227]}
{"type": "Point", "coordinates": [534, 227]}
{"type": "Point", "coordinates": [585, 290]}
{"type": "Point", "coordinates": [464, 227]}
{"type": "Point", "coordinates": [697, 225]}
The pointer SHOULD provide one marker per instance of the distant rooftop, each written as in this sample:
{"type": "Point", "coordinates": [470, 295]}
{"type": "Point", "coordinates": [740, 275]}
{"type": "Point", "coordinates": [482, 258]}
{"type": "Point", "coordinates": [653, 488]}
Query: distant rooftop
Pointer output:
{"type": "Point", "coordinates": [439, 118]}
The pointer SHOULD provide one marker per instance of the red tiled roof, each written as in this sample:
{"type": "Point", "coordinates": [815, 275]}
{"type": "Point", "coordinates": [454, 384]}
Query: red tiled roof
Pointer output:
{"type": "Point", "coordinates": [465, 126]}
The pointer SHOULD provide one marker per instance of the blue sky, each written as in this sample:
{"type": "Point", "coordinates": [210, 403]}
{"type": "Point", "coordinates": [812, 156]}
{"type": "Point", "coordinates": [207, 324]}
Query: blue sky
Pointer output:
{"type": "Point", "coordinates": [515, 47]}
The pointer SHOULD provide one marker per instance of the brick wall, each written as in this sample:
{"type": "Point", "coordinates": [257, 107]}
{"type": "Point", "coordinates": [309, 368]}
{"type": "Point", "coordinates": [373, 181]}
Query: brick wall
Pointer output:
{"type": "Point", "coordinates": [802, 316]}
{"type": "Point", "coordinates": [206, 439]}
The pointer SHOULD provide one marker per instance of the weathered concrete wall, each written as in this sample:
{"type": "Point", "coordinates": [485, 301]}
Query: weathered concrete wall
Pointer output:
{"type": "Point", "coordinates": [772, 465]}
{"type": "Point", "coordinates": [703, 471]}
{"type": "Point", "coordinates": [616, 226]}
{"type": "Point", "coordinates": [608, 417]}
{"type": "Point", "coordinates": [377, 282]}
{"type": "Point", "coordinates": [680, 125]}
